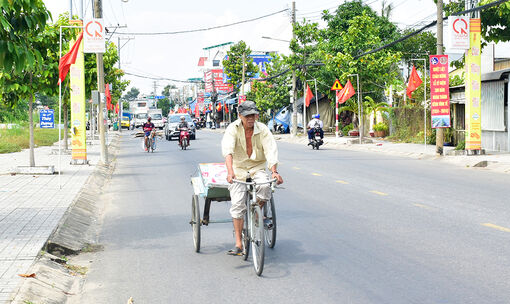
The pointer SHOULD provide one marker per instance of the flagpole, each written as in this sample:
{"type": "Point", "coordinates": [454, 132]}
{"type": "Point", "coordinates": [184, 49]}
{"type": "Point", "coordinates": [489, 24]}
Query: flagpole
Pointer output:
{"type": "Point", "coordinates": [304, 106]}
{"type": "Point", "coordinates": [424, 101]}
{"type": "Point", "coordinates": [316, 96]}
{"type": "Point", "coordinates": [59, 115]}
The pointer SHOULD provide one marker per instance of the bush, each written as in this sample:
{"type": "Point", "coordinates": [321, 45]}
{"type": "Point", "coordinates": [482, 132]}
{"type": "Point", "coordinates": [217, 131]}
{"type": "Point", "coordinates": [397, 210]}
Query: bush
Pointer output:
{"type": "Point", "coordinates": [381, 126]}
{"type": "Point", "coordinates": [347, 128]}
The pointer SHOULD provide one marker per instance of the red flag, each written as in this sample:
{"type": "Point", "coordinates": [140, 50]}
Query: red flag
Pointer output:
{"type": "Point", "coordinates": [197, 111]}
{"type": "Point", "coordinates": [218, 107]}
{"type": "Point", "coordinates": [226, 108]}
{"type": "Point", "coordinates": [345, 93]}
{"type": "Point", "coordinates": [117, 108]}
{"type": "Point", "coordinates": [308, 96]}
{"type": "Point", "coordinates": [414, 82]}
{"type": "Point", "coordinates": [70, 58]}
{"type": "Point", "coordinates": [108, 96]}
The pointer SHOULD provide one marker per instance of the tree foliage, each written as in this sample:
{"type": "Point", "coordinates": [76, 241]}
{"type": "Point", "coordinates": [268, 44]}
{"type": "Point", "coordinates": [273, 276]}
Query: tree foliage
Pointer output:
{"type": "Point", "coordinates": [21, 22]}
{"type": "Point", "coordinates": [272, 94]}
{"type": "Point", "coordinates": [132, 94]}
{"type": "Point", "coordinates": [233, 65]}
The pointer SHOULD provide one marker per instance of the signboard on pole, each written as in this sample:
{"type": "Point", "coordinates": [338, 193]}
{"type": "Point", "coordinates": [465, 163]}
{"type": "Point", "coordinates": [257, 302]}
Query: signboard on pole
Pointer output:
{"type": "Point", "coordinates": [47, 119]}
{"type": "Point", "coordinates": [214, 82]}
{"type": "Point", "coordinates": [439, 91]}
{"type": "Point", "coordinates": [336, 86]}
{"type": "Point", "coordinates": [473, 89]}
{"type": "Point", "coordinates": [78, 122]}
{"type": "Point", "coordinates": [458, 32]}
{"type": "Point", "coordinates": [94, 36]}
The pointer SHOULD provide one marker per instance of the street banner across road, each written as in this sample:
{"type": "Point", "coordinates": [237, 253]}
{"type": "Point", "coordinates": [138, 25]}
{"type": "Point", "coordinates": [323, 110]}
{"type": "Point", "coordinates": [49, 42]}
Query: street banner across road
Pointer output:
{"type": "Point", "coordinates": [77, 77]}
{"type": "Point", "coordinates": [47, 119]}
{"type": "Point", "coordinates": [94, 36]}
{"type": "Point", "coordinates": [473, 89]}
{"type": "Point", "coordinates": [439, 91]}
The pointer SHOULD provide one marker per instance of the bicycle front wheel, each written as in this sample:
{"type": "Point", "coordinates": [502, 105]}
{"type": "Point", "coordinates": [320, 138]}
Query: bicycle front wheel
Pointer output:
{"type": "Point", "coordinates": [270, 223]}
{"type": "Point", "coordinates": [257, 238]}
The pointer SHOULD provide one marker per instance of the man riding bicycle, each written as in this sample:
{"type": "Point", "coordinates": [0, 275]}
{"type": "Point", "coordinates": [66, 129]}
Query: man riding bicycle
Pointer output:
{"type": "Point", "coordinates": [248, 146]}
{"type": "Point", "coordinates": [147, 129]}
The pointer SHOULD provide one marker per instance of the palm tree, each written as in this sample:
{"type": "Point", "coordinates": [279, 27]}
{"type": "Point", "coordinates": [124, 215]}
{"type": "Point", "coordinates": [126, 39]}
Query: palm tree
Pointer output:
{"type": "Point", "coordinates": [370, 106]}
{"type": "Point", "coordinates": [351, 106]}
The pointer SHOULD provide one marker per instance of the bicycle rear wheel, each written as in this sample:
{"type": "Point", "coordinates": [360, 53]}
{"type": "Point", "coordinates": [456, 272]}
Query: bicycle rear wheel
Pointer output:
{"type": "Point", "coordinates": [257, 238]}
{"type": "Point", "coordinates": [195, 221]}
{"type": "Point", "coordinates": [270, 223]}
{"type": "Point", "coordinates": [246, 238]}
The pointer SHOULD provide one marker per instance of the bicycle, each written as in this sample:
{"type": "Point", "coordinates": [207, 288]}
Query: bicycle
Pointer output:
{"type": "Point", "coordinates": [150, 142]}
{"type": "Point", "coordinates": [259, 223]}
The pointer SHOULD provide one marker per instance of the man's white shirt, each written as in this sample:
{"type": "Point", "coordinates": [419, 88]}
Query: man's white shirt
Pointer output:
{"type": "Point", "coordinates": [314, 122]}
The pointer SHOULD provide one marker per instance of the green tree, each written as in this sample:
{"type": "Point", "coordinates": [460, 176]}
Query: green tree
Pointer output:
{"type": "Point", "coordinates": [167, 88]}
{"type": "Point", "coordinates": [132, 94]}
{"type": "Point", "coordinates": [21, 22]}
{"type": "Point", "coordinates": [165, 104]}
{"type": "Point", "coordinates": [233, 65]}
{"type": "Point", "coordinates": [272, 94]}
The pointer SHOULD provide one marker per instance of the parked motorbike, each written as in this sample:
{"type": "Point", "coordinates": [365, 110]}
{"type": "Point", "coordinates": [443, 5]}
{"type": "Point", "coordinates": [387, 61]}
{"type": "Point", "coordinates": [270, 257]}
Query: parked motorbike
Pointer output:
{"type": "Point", "coordinates": [184, 138]}
{"type": "Point", "coordinates": [316, 140]}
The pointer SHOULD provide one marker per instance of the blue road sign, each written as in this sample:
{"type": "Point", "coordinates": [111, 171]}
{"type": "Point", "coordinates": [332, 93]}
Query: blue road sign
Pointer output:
{"type": "Point", "coordinates": [160, 97]}
{"type": "Point", "coordinates": [47, 119]}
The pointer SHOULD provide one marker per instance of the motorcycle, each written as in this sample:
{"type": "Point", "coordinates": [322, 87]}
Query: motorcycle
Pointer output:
{"type": "Point", "coordinates": [184, 138]}
{"type": "Point", "coordinates": [316, 139]}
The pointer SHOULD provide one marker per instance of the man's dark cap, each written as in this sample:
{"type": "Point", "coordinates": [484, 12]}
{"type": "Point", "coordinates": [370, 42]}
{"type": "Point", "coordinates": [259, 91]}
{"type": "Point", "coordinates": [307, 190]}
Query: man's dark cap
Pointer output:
{"type": "Point", "coordinates": [247, 108]}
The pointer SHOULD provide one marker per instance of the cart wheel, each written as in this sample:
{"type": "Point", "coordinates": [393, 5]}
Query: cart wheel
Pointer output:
{"type": "Point", "coordinates": [195, 222]}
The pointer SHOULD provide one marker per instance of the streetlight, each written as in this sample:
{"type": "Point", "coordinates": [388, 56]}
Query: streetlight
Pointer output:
{"type": "Point", "coordinates": [265, 37]}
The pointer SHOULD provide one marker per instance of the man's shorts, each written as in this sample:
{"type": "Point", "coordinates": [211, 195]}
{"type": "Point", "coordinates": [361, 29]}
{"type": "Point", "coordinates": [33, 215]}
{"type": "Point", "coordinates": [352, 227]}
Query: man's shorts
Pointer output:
{"type": "Point", "coordinates": [239, 193]}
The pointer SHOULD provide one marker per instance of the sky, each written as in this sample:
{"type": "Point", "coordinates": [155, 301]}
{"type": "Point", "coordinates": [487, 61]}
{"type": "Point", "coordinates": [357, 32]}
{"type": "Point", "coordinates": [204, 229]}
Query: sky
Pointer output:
{"type": "Point", "coordinates": [176, 56]}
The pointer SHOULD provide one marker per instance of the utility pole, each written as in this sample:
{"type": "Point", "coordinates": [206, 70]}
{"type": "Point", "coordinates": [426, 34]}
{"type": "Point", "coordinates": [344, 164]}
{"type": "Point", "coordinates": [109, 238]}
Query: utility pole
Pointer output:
{"type": "Point", "coordinates": [244, 71]}
{"type": "Point", "coordinates": [439, 131]}
{"type": "Point", "coordinates": [98, 13]}
{"type": "Point", "coordinates": [293, 98]}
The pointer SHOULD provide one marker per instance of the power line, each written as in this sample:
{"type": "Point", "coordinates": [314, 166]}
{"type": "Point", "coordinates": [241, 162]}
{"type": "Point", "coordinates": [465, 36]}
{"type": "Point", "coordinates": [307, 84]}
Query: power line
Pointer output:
{"type": "Point", "coordinates": [162, 78]}
{"type": "Point", "coordinates": [204, 29]}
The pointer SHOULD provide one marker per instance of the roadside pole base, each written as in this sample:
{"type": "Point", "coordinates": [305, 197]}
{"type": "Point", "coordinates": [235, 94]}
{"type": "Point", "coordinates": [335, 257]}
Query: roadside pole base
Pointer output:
{"type": "Point", "coordinates": [36, 170]}
{"type": "Point", "coordinates": [475, 152]}
{"type": "Point", "coordinates": [64, 152]}
{"type": "Point", "coordinates": [79, 162]}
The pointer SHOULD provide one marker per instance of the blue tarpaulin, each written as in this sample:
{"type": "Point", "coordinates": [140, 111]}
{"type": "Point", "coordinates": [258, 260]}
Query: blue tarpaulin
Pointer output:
{"type": "Point", "coordinates": [283, 118]}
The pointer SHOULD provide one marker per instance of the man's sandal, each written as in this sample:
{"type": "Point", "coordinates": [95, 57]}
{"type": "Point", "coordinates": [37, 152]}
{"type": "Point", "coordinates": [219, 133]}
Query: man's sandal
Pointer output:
{"type": "Point", "coordinates": [235, 251]}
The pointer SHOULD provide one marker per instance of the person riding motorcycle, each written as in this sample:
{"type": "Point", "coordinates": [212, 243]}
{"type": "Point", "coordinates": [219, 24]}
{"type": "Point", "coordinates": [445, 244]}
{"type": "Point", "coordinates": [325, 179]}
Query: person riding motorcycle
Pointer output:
{"type": "Point", "coordinates": [183, 125]}
{"type": "Point", "coordinates": [315, 122]}
{"type": "Point", "coordinates": [147, 129]}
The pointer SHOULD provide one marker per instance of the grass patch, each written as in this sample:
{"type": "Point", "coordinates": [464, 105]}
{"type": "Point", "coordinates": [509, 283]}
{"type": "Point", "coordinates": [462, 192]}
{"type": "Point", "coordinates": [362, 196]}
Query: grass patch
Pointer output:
{"type": "Point", "coordinates": [17, 139]}
{"type": "Point", "coordinates": [82, 270]}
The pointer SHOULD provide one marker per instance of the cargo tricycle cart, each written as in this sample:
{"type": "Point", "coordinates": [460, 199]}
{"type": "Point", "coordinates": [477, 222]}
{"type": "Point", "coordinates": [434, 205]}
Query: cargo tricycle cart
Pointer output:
{"type": "Point", "coordinates": [259, 223]}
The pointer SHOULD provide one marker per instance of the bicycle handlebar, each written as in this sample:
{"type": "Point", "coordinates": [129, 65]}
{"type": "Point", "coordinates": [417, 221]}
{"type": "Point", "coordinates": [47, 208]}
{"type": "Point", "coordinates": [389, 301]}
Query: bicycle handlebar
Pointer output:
{"type": "Point", "coordinates": [254, 183]}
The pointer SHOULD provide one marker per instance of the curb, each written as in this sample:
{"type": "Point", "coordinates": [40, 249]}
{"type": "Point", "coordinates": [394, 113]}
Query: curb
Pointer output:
{"type": "Point", "coordinates": [77, 230]}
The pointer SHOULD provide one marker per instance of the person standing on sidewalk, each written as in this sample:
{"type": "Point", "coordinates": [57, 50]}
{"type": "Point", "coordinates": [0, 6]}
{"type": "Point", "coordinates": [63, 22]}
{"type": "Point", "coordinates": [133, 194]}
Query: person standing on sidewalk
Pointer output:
{"type": "Point", "coordinates": [248, 147]}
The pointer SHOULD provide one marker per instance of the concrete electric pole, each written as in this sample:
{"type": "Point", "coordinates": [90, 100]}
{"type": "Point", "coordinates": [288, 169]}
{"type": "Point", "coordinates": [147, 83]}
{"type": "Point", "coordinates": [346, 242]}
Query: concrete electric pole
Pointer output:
{"type": "Point", "coordinates": [98, 13]}
{"type": "Point", "coordinates": [293, 98]}
{"type": "Point", "coordinates": [439, 131]}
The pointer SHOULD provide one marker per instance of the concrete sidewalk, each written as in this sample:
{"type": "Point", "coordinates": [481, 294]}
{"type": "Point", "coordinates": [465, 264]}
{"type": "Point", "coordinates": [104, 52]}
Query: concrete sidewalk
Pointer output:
{"type": "Point", "coordinates": [31, 206]}
{"type": "Point", "coordinates": [494, 161]}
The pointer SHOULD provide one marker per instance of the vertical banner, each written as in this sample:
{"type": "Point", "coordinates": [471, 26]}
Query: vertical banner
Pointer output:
{"type": "Point", "coordinates": [473, 88]}
{"type": "Point", "coordinates": [77, 73]}
{"type": "Point", "coordinates": [439, 91]}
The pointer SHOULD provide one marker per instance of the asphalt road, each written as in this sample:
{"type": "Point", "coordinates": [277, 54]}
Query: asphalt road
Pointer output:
{"type": "Point", "coordinates": [352, 228]}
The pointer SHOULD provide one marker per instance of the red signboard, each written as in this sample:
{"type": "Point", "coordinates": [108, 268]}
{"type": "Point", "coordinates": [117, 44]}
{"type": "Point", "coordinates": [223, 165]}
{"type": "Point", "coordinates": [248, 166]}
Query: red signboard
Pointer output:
{"type": "Point", "coordinates": [439, 91]}
{"type": "Point", "coordinates": [214, 82]}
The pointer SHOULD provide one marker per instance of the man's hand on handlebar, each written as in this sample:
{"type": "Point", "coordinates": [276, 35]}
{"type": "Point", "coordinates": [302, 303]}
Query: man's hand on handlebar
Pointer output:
{"type": "Point", "coordinates": [231, 177]}
{"type": "Point", "coordinates": [279, 179]}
